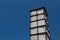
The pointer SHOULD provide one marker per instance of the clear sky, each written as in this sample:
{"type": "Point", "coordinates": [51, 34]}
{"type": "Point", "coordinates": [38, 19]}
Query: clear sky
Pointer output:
{"type": "Point", "coordinates": [14, 18]}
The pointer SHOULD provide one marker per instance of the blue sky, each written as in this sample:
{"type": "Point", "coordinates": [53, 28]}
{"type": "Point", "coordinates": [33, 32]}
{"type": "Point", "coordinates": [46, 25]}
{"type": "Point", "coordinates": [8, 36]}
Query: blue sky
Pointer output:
{"type": "Point", "coordinates": [14, 18]}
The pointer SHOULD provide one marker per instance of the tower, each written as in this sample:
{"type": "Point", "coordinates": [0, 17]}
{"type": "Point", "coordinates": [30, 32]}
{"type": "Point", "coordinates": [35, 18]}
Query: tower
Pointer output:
{"type": "Point", "coordinates": [39, 24]}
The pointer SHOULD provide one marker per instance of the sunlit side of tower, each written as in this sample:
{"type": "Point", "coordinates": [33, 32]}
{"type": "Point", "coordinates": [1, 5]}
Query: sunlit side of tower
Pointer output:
{"type": "Point", "coordinates": [39, 24]}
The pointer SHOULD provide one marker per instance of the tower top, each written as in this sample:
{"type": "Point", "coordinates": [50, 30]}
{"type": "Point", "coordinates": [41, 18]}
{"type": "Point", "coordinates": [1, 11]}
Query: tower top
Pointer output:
{"type": "Point", "coordinates": [39, 9]}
